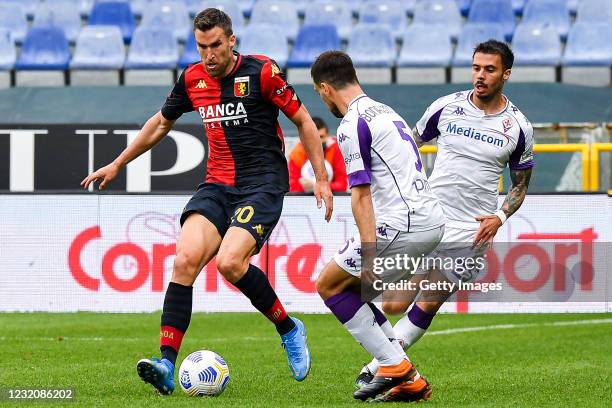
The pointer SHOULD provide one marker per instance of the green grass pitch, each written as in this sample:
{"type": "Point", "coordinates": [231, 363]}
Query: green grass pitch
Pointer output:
{"type": "Point", "coordinates": [514, 360]}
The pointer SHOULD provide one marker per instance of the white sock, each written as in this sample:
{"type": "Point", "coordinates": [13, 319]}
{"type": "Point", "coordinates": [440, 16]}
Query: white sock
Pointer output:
{"type": "Point", "coordinates": [408, 332]}
{"type": "Point", "coordinates": [368, 333]}
{"type": "Point", "coordinates": [390, 333]}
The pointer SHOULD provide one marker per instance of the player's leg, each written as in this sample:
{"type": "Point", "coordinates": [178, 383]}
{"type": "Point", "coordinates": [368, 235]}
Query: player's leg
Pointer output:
{"type": "Point", "coordinates": [339, 287]}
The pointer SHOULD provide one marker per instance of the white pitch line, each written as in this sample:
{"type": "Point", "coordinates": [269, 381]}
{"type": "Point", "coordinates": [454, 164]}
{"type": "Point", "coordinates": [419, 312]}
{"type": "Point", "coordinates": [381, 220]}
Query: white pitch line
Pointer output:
{"type": "Point", "coordinates": [253, 338]}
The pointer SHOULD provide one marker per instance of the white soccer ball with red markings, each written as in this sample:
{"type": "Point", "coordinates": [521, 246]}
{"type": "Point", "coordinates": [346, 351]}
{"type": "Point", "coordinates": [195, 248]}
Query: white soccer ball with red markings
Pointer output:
{"type": "Point", "coordinates": [203, 373]}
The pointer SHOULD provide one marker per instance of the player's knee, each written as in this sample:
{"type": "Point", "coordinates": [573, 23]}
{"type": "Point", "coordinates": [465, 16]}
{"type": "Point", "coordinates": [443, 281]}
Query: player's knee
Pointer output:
{"type": "Point", "coordinates": [394, 308]}
{"type": "Point", "coordinates": [232, 267]}
{"type": "Point", "coordinates": [186, 268]}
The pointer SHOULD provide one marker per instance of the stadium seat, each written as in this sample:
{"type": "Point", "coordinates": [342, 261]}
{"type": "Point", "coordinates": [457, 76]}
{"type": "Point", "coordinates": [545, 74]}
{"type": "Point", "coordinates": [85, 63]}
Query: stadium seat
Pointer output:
{"type": "Point", "coordinates": [8, 56]}
{"type": "Point", "coordinates": [464, 6]}
{"type": "Point", "coordinates": [246, 6]}
{"type": "Point", "coordinates": [470, 36]}
{"type": "Point", "coordinates": [232, 9]}
{"type": "Point", "coordinates": [45, 53]}
{"type": "Point", "coordinates": [118, 13]}
{"type": "Point", "coordinates": [337, 13]}
{"type": "Point", "coordinates": [551, 12]}
{"type": "Point", "coordinates": [137, 6]}
{"type": "Point", "coordinates": [13, 19]}
{"type": "Point", "coordinates": [494, 12]}
{"type": "Point", "coordinates": [390, 13]}
{"type": "Point", "coordinates": [98, 56]}
{"type": "Point", "coordinates": [409, 6]}
{"type": "Point", "coordinates": [572, 6]}
{"type": "Point", "coordinates": [588, 54]}
{"type": "Point", "coordinates": [372, 46]}
{"type": "Point", "coordinates": [537, 52]}
{"type": "Point", "coordinates": [194, 7]}
{"type": "Point", "coordinates": [152, 57]}
{"type": "Point", "coordinates": [190, 52]}
{"type": "Point", "coordinates": [168, 14]}
{"type": "Point", "coordinates": [594, 11]}
{"type": "Point", "coordinates": [265, 39]}
{"type": "Point", "coordinates": [311, 41]}
{"type": "Point", "coordinates": [424, 56]}
{"type": "Point", "coordinates": [439, 13]}
{"type": "Point", "coordinates": [61, 14]}
{"type": "Point", "coordinates": [518, 6]}
{"type": "Point", "coordinates": [85, 7]}
{"type": "Point", "coordinates": [277, 12]}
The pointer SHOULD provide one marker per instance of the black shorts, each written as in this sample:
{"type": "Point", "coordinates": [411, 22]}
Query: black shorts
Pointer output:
{"type": "Point", "coordinates": [256, 209]}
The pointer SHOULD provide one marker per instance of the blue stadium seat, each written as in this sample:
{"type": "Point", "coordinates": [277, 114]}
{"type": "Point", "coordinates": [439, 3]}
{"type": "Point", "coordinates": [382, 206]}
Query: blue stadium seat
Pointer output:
{"type": "Point", "coordinates": [470, 36]}
{"type": "Point", "coordinates": [190, 52]}
{"type": "Point", "coordinates": [372, 45]}
{"type": "Point", "coordinates": [594, 11]}
{"type": "Point", "coordinates": [464, 6]}
{"type": "Point", "coordinates": [8, 53]}
{"type": "Point", "coordinates": [588, 44]}
{"type": "Point", "coordinates": [409, 6]}
{"type": "Point", "coordinates": [390, 13]}
{"type": "Point", "coordinates": [153, 48]}
{"type": "Point", "coordinates": [61, 14]}
{"type": "Point", "coordinates": [265, 39]}
{"type": "Point", "coordinates": [337, 13]}
{"type": "Point", "coordinates": [246, 6]}
{"type": "Point", "coordinates": [536, 44]}
{"type": "Point", "coordinates": [13, 19]}
{"type": "Point", "coordinates": [231, 8]}
{"type": "Point", "coordinates": [300, 6]}
{"type": "Point", "coordinates": [311, 41]}
{"type": "Point", "coordinates": [118, 13]}
{"type": "Point", "coordinates": [277, 12]}
{"type": "Point", "coordinates": [518, 6]}
{"type": "Point", "coordinates": [169, 14]}
{"type": "Point", "coordinates": [494, 11]}
{"type": "Point", "coordinates": [44, 48]}
{"type": "Point", "coordinates": [572, 6]}
{"type": "Point", "coordinates": [99, 47]}
{"type": "Point", "coordinates": [138, 6]}
{"type": "Point", "coordinates": [551, 12]}
{"type": "Point", "coordinates": [439, 13]}
{"type": "Point", "coordinates": [423, 47]}
{"type": "Point", "coordinates": [85, 7]}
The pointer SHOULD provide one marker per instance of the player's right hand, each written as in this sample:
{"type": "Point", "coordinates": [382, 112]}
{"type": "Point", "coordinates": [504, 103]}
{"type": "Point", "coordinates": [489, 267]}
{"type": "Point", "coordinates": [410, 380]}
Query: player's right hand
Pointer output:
{"type": "Point", "coordinates": [106, 173]}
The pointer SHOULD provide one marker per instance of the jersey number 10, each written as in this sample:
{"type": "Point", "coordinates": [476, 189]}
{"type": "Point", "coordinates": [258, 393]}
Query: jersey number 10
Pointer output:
{"type": "Point", "coordinates": [401, 126]}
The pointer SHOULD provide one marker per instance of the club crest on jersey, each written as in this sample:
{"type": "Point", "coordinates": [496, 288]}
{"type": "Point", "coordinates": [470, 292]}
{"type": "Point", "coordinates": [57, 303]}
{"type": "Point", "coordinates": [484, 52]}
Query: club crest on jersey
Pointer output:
{"type": "Point", "coordinates": [507, 124]}
{"type": "Point", "coordinates": [241, 86]}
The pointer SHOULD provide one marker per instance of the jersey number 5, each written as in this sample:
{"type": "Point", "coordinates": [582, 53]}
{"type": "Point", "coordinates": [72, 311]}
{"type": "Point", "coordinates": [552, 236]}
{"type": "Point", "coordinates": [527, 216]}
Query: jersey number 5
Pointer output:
{"type": "Point", "coordinates": [400, 127]}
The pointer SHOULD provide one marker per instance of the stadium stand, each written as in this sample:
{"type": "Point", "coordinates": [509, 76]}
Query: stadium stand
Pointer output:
{"type": "Point", "coordinates": [424, 56]}
{"type": "Point", "coordinates": [390, 13]}
{"type": "Point", "coordinates": [153, 55]}
{"type": "Point", "coordinates": [372, 48]}
{"type": "Point", "coordinates": [471, 34]}
{"type": "Point", "coordinates": [518, 6]}
{"type": "Point", "coordinates": [169, 14]}
{"type": "Point", "coordinates": [537, 52]}
{"type": "Point", "coordinates": [594, 11]}
{"type": "Point", "coordinates": [311, 41]}
{"type": "Point", "coordinates": [337, 13]}
{"type": "Point", "coordinates": [548, 12]}
{"type": "Point", "coordinates": [464, 6]}
{"type": "Point", "coordinates": [118, 13]}
{"type": "Point", "coordinates": [588, 54]}
{"type": "Point", "coordinates": [8, 56]}
{"type": "Point", "coordinates": [61, 14]}
{"type": "Point", "coordinates": [190, 53]}
{"type": "Point", "coordinates": [230, 7]}
{"type": "Point", "coordinates": [277, 12]}
{"type": "Point", "coordinates": [13, 19]}
{"type": "Point", "coordinates": [44, 58]}
{"type": "Point", "coordinates": [265, 39]}
{"type": "Point", "coordinates": [438, 13]}
{"type": "Point", "coordinates": [246, 6]}
{"type": "Point", "coordinates": [494, 12]}
{"type": "Point", "coordinates": [98, 57]}
{"type": "Point", "coordinates": [85, 7]}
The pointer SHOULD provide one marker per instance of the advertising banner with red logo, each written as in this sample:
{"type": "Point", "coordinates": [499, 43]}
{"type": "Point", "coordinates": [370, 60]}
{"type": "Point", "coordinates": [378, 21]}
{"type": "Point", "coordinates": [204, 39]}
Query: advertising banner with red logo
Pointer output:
{"type": "Point", "coordinates": [114, 253]}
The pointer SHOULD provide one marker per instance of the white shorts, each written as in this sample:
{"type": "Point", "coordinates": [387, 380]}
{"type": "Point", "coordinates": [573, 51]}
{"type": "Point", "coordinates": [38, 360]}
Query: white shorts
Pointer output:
{"type": "Point", "coordinates": [453, 255]}
{"type": "Point", "coordinates": [389, 243]}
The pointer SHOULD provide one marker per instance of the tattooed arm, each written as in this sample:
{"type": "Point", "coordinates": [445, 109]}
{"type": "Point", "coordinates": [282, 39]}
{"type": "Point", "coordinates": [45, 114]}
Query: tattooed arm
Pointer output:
{"type": "Point", "coordinates": [489, 224]}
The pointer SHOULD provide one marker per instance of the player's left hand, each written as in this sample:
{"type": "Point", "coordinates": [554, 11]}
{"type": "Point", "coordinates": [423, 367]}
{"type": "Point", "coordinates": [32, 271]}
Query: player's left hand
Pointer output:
{"type": "Point", "coordinates": [323, 193]}
{"type": "Point", "coordinates": [489, 224]}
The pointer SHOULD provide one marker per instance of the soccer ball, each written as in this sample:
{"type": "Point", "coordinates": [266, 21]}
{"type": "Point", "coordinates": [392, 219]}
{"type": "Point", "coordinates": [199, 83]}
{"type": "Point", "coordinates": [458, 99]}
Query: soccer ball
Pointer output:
{"type": "Point", "coordinates": [203, 373]}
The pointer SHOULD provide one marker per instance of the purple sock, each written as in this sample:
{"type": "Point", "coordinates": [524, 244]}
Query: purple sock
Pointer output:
{"type": "Point", "coordinates": [344, 305]}
{"type": "Point", "coordinates": [380, 318]}
{"type": "Point", "coordinates": [420, 318]}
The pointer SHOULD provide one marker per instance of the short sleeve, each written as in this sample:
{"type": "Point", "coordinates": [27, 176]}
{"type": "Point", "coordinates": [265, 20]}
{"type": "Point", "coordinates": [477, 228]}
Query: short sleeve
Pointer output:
{"type": "Point", "coordinates": [276, 90]}
{"type": "Point", "coordinates": [355, 140]}
{"type": "Point", "coordinates": [177, 101]}
{"type": "Point", "coordinates": [427, 126]}
{"type": "Point", "coordinates": [522, 156]}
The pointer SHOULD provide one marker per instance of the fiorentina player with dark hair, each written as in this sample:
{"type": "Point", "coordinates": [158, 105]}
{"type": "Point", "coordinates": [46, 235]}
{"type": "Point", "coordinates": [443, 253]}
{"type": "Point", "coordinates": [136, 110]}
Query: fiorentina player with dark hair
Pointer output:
{"type": "Point", "coordinates": [234, 211]}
